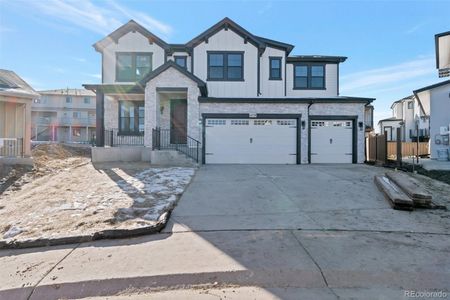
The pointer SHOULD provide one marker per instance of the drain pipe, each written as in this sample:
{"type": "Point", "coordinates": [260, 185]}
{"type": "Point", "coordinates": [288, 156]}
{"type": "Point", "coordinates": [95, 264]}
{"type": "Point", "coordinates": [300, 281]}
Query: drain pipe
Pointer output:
{"type": "Point", "coordinates": [309, 132]}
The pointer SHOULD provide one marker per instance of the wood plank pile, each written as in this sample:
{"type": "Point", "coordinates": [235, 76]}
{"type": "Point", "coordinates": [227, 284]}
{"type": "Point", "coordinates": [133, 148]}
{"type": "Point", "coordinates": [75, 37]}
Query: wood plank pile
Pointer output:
{"type": "Point", "coordinates": [403, 191]}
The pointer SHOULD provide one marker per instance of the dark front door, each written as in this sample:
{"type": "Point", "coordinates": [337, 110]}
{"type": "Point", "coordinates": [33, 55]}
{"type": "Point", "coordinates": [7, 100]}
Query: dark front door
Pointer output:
{"type": "Point", "coordinates": [178, 121]}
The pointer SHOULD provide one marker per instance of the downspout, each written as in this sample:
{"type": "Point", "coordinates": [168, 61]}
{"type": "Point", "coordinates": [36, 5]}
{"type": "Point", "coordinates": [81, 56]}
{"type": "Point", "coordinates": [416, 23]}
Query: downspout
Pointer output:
{"type": "Point", "coordinates": [309, 131]}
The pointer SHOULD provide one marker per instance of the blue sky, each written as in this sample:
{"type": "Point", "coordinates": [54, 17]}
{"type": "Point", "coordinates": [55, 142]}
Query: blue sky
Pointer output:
{"type": "Point", "coordinates": [390, 44]}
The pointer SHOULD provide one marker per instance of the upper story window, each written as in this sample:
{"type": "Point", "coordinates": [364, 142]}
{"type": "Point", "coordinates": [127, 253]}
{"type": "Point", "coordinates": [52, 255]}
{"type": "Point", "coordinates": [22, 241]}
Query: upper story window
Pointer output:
{"type": "Point", "coordinates": [76, 114]}
{"type": "Point", "coordinates": [68, 99]}
{"type": "Point", "coordinates": [410, 105]}
{"type": "Point", "coordinates": [131, 117]}
{"type": "Point", "coordinates": [309, 76]}
{"type": "Point", "coordinates": [132, 66]}
{"type": "Point", "coordinates": [181, 61]}
{"type": "Point", "coordinates": [275, 68]}
{"type": "Point", "coordinates": [225, 66]}
{"type": "Point", "coordinates": [87, 100]}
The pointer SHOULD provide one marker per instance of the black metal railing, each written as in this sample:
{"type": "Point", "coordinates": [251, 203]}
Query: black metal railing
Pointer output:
{"type": "Point", "coordinates": [172, 139]}
{"type": "Point", "coordinates": [11, 147]}
{"type": "Point", "coordinates": [114, 138]}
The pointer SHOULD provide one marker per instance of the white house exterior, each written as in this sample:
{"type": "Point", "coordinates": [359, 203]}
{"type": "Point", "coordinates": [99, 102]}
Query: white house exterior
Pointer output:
{"type": "Point", "coordinates": [64, 115]}
{"type": "Point", "coordinates": [244, 98]}
{"type": "Point", "coordinates": [434, 101]}
{"type": "Point", "coordinates": [16, 97]}
{"type": "Point", "coordinates": [406, 115]}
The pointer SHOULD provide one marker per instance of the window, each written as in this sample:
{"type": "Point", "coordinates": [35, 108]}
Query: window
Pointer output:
{"type": "Point", "coordinates": [181, 61]}
{"type": "Point", "coordinates": [131, 117]}
{"type": "Point", "coordinates": [410, 105]}
{"type": "Point", "coordinates": [68, 99]}
{"type": "Point", "coordinates": [309, 76]}
{"type": "Point", "coordinates": [275, 68]}
{"type": "Point", "coordinates": [37, 101]}
{"type": "Point", "coordinates": [76, 114]}
{"type": "Point", "coordinates": [239, 122]}
{"type": "Point", "coordinates": [132, 66]}
{"type": "Point", "coordinates": [225, 66]}
{"type": "Point", "coordinates": [87, 100]}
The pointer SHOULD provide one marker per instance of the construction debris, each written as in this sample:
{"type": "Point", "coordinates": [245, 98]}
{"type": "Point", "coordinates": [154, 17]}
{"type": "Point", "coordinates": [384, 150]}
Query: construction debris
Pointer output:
{"type": "Point", "coordinates": [412, 187]}
{"type": "Point", "coordinates": [396, 197]}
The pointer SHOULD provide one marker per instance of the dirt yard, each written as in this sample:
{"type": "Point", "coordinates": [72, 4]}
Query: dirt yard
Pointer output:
{"type": "Point", "coordinates": [66, 195]}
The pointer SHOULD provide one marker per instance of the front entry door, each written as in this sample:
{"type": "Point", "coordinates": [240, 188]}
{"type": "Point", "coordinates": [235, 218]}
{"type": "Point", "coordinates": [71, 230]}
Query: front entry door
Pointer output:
{"type": "Point", "coordinates": [178, 121]}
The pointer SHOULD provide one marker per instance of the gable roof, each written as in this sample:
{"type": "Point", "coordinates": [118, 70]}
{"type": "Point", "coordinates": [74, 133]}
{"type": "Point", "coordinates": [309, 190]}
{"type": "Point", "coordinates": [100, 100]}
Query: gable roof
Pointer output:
{"type": "Point", "coordinates": [131, 26]}
{"type": "Point", "coordinates": [276, 44]}
{"type": "Point", "coordinates": [226, 23]}
{"type": "Point", "coordinates": [170, 64]}
{"type": "Point", "coordinates": [12, 85]}
{"type": "Point", "coordinates": [433, 86]}
{"type": "Point", "coordinates": [392, 119]}
{"type": "Point", "coordinates": [67, 92]}
{"type": "Point", "coordinates": [411, 97]}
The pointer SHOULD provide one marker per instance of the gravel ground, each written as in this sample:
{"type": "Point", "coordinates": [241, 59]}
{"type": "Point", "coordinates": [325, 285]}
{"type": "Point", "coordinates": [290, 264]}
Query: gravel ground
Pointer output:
{"type": "Point", "coordinates": [69, 196]}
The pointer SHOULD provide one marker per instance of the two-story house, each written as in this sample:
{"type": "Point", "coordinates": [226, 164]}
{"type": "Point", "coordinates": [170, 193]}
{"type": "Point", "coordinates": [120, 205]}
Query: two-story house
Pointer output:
{"type": "Point", "coordinates": [64, 115]}
{"type": "Point", "coordinates": [408, 116]}
{"type": "Point", "coordinates": [243, 98]}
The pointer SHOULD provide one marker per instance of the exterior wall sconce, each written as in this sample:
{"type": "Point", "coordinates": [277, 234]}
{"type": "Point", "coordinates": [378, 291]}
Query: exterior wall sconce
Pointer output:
{"type": "Point", "coordinates": [303, 124]}
{"type": "Point", "coordinates": [361, 125]}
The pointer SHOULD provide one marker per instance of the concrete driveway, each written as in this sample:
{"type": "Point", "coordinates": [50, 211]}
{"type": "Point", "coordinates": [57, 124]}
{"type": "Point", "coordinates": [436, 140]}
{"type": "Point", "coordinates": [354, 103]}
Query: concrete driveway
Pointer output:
{"type": "Point", "coordinates": [255, 232]}
{"type": "Point", "coordinates": [269, 197]}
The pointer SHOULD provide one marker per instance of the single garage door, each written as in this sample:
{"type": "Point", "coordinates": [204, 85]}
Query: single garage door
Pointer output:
{"type": "Point", "coordinates": [332, 141]}
{"type": "Point", "coordinates": [250, 141]}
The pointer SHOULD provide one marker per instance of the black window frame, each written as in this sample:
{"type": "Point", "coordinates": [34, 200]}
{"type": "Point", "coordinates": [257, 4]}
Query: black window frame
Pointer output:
{"type": "Point", "coordinates": [87, 98]}
{"type": "Point", "coordinates": [309, 76]}
{"type": "Point", "coordinates": [280, 59]}
{"type": "Point", "coordinates": [225, 65]}
{"type": "Point", "coordinates": [70, 99]}
{"type": "Point", "coordinates": [183, 57]}
{"type": "Point", "coordinates": [136, 105]}
{"type": "Point", "coordinates": [133, 65]}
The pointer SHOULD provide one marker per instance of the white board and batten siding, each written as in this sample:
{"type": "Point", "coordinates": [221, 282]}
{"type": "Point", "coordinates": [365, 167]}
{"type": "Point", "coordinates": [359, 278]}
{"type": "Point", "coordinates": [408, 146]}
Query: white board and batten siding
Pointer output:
{"type": "Point", "coordinates": [331, 141]}
{"type": "Point", "coordinates": [130, 42]}
{"type": "Point", "coordinates": [228, 40]}
{"type": "Point", "coordinates": [188, 59]}
{"type": "Point", "coordinates": [250, 141]}
{"type": "Point", "coordinates": [331, 83]}
{"type": "Point", "coordinates": [272, 88]}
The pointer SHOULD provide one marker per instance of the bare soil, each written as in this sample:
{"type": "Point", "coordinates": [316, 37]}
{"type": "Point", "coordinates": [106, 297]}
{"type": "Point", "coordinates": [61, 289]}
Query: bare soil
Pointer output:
{"type": "Point", "coordinates": [65, 195]}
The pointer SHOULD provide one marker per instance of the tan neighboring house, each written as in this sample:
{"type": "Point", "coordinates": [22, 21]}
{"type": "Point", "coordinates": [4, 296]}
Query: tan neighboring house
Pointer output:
{"type": "Point", "coordinates": [16, 97]}
{"type": "Point", "coordinates": [64, 115]}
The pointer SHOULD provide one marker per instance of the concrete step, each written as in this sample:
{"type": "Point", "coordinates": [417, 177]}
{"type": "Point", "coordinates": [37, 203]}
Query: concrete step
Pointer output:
{"type": "Point", "coordinates": [412, 187]}
{"type": "Point", "coordinates": [396, 197]}
{"type": "Point", "coordinates": [171, 158]}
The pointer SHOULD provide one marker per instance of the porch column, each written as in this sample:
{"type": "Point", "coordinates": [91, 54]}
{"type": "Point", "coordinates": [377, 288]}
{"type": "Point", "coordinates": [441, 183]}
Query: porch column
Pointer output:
{"type": "Point", "coordinates": [100, 119]}
{"type": "Point", "coordinates": [152, 114]}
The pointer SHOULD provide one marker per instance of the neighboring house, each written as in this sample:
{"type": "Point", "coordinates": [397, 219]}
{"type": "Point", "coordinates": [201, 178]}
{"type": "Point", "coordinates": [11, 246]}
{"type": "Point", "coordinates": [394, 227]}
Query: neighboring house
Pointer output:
{"type": "Point", "coordinates": [406, 115]}
{"type": "Point", "coordinates": [243, 97]}
{"type": "Point", "coordinates": [16, 97]}
{"type": "Point", "coordinates": [64, 115]}
{"type": "Point", "coordinates": [434, 102]}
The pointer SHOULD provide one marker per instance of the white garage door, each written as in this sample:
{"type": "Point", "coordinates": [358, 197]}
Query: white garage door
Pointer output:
{"type": "Point", "coordinates": [331, 141]}
{"type": "Point", "coordinates": [250, 141]}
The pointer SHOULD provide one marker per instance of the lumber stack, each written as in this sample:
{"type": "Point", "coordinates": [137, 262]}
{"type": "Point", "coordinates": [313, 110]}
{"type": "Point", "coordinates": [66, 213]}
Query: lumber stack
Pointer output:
{"type": "Point", "coordinates": [411, 187]}
{"type": "Point", "coordinates": [392, 192]}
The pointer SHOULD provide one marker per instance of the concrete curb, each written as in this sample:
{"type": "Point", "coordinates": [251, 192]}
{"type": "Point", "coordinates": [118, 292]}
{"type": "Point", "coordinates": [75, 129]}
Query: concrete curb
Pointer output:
{"type": "Point", "coordinates": [99, 235]}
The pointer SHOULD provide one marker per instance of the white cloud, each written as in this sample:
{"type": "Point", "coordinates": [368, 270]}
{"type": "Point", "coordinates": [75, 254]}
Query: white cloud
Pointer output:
{"type": "Point", "coordinates": [79, 59]}
{"type": "Point", "coordinates": [415, 28]}
{"type": "Point", "coordinates": [97, 76]}
{"type": "Point", "coordinates": [387, 77]}
{"type": "Point", "coordinates": [100, 19]}
{"type": "Point", "coordinates": [265, 8]}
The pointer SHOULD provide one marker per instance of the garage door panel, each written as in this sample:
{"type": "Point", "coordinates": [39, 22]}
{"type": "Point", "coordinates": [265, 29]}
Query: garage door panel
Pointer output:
{"type": "Point", "coordinates": [332, 141]}
{"type": "Point", "coordinates": [251, 141]}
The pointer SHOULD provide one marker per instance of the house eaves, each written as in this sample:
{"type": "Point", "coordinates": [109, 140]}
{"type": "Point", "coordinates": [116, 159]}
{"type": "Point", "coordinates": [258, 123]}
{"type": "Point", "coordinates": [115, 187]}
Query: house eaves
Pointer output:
{"type": "Point", "coordinates": [276, 44]}
{"type": "Point", "coordinates": [306, 100]}
{"type": "Point", "coordinates": [316, 58]}
{"type": "Point", "coordinates": [226, 24]}
{"type": "Point", "coordinates": [427, 88]}
{"type": "Point", "coordinates": [131, 26]}
{"type": "Point", "coordinates": [436, 46]}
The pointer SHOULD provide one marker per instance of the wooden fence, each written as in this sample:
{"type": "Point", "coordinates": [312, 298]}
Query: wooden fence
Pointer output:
{"type": "Point", "coordinates": [376, 149]}
{"type": "Point", "coordinates": [408, 149]}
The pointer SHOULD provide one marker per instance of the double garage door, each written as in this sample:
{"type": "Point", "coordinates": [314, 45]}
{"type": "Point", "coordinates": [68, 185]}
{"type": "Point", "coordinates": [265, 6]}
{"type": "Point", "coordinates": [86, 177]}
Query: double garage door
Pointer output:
{"type": "Point", "coordinates": [274, 141]}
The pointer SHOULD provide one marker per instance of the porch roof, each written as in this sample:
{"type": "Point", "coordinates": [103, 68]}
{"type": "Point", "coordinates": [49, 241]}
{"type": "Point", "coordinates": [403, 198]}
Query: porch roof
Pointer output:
{"type": "Point", "coordinates": [115, 88]}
